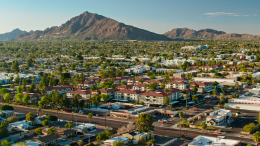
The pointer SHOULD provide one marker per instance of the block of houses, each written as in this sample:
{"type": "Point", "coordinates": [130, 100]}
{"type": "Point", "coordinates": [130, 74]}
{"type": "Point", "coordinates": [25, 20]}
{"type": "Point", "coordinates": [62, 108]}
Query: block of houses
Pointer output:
{"type": "Point", "coordinates": [85, 94]}
{"type": "Point", "coordinates": [127, 95]}
{"type": "Point", "coordinates": [34, 96]}
{"type": "Point", "coordinates": [159, 81]}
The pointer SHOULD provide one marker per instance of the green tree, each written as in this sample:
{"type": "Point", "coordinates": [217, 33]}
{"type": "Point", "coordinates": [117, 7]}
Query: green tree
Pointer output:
{"type": "Point", "coordinates": [167, 100]}
{"type": "Point", "coordinates": [29, 62]}
{"type": "Point", "coordinates": [80, 142]}
{"type": "Point", "coordinates": [21, 144]}
{"type": "Point", "coordinates": [203, 126]}
{"type": "Point", "coordinates": [19, 89]}
{"type": "Point", "coordinates": [3, 130]}
{"type": "Point", "coordinates": [215, 92]}
{"type": "Point", "coordinates": [223, 89]}
{"type": "Point", "coordinates": [19, 97]}
{"type": "Point", "coordinates": [6, 107]}
{"type": "Point", "coordinates": [7, 97]}
{"type": "Point", "coordinates": [69, 125]}
{"type": "Point", "coordinates": [195, 89]}
{"type": "Point", "coordinates": [26, 98]}
{"type": "Point", "coordinates": [30, 117]}
{"type": "Point", "coordinates": [50, 131]}
{"type": "Point", "coordinates": [6, 143]}
{"type": "Point", "coordinates": [153, 86]}
{"type": "Point", "coordinates": [3, 90]}
{"type": "Point", "coordinates": [195, 98]}
{"type": "Point", "coordinates": [45, 122]}
{"type": "Point", "coordinates": [118, 143]}
{"type": "Point", "coordinates": [95, 99]}
{"type": "Point", "coordinates": [90, 115]}
{"type": "Point", "coordinates": [215, 84]}
{"type": "Point", "coordinates": [38, 131]}
{"type": "Point", "coordinates": [12, 119]}
{"type": "Point", "coordinates": [105, 97]}
{"type": "Point", "coordinates": [256, 137]}
{"type": "Point", "coordinates": [144, 122]}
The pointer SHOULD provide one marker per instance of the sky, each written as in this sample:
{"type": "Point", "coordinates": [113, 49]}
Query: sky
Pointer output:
{"type": "Point", "coordinates": [159, 16]}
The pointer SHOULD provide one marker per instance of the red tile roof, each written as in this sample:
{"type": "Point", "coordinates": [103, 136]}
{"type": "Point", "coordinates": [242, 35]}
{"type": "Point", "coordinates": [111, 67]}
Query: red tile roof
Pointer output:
{"type": "Point", "coordinates": [84, 92]}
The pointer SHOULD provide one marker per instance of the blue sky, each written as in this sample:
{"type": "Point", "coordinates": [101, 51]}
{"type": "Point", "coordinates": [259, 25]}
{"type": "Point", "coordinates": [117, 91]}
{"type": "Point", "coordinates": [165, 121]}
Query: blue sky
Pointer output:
{"type": "Point", "coordinates": [231, 16]}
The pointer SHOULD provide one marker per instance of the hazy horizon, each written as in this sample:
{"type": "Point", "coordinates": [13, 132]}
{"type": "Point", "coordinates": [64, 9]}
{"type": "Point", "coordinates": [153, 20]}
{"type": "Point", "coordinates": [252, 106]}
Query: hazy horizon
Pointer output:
{"type": "Point", "coordinates": [233, 16]}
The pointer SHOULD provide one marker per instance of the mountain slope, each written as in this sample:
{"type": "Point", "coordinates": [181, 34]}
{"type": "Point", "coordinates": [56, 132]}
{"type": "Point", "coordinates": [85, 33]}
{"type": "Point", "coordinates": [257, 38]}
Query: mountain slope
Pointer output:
{"type": "Point", "coordinates": [11, 35]}
{"type": "Point", "coordinates": [89, 26]}
{"type": "Point", "coordinates": [186, 33]}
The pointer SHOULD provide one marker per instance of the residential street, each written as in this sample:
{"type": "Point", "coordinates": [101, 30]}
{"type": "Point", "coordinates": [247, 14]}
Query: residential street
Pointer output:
{"type": "Point", "coordinates": [116, 123]}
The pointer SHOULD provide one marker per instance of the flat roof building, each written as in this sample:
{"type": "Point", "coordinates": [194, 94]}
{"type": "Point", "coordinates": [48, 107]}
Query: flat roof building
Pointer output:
{"type": "Point", "coordinates": [210, 141]}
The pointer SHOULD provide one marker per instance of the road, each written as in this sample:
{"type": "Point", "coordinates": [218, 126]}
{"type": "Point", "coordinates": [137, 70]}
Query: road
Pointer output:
{"type": "Point", "coordinates": [116, 123]}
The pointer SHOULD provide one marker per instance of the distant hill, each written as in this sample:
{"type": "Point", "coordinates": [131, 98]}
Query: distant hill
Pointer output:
{"type": "Point", "coordinates": [11, 35]}
{"type": "Point", "coordinates": [185, 33]}
{"type": "Point", "coordinates": [90, 26]}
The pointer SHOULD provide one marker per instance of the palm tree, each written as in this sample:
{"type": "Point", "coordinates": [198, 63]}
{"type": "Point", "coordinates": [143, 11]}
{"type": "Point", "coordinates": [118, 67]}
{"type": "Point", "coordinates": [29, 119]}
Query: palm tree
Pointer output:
{"type": "Point", "coordinates": [180, 115]}
{"type": "Point", "coordinates": [80, 142]}
{"type": "Point", "coordinates": [90, 115]}
{"type": "Point", "coordinates": [256, 137]}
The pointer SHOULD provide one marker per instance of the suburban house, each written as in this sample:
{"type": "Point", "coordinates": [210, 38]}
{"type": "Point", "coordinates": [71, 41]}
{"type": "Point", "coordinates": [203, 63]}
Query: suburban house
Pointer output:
{"type": "Point", "coordinates": [61, 132]}
{"type": "Point", "coordinates": [48, 139]}
{"type": "Point", "coordinates": [83, 93]}
{"type": "Point", "coordinates": [209, 141]}
{"type": "Point", "coordinates": [22, 125]}
{"type": "Point", "coordinates": [139, 135]}
{"type": "Point", "coordinates": [6, 113]}
{"type": "Point", "coordinates": [34, 96]}
{"type": "Point", "coordinates": [127, 95]}
{"type": "Point", "coordinates": [159, 81]}
{"type": "Point", "coordinates": [110, 142]}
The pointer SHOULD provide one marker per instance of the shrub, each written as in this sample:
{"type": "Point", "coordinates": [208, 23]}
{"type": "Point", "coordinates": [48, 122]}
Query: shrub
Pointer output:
{"type": "Point", "coordinates": [71, 138]}
{"type": "Point", "coordinates": [81, 136]}
{"type": "Point", "coordinates": [250, 127]}
{"type": "Point", "coordinates": [6, 107]}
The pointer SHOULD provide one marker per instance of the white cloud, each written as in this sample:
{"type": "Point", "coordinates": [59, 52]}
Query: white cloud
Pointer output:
{"type": "Point", "coordinates": [221, 13]}
{"type": "Point", "coordinates": [225, 14]}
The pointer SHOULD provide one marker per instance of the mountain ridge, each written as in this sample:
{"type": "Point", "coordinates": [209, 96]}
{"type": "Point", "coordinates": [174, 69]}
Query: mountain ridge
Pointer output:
{"type": "Point", "coordinates": [185, 33]}
{"type": "Point", "coordinates": [91, 26]}
{"type": "Point", "coordinates": [11, 35]}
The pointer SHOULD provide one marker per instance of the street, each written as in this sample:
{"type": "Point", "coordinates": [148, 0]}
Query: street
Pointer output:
{"type": "Point", "coordinates": [116, 123]}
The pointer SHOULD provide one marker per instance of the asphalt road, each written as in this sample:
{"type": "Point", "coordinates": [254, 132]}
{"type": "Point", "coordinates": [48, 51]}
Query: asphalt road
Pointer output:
{"type": "Point", "coordinates": [116, 123]}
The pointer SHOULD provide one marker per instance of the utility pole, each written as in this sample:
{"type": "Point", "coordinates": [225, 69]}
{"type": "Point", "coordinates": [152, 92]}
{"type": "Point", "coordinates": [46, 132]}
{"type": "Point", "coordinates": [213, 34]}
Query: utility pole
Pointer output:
{"type": "Point", "coordinates": [105, 121]}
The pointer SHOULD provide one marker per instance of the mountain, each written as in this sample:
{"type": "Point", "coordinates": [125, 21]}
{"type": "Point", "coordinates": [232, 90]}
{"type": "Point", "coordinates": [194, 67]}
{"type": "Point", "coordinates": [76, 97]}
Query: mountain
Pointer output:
{"type": "Point", "coordinates": [185, 33]}
{"type": "Point", "coordinates": [90, 26]}
{"type": "Point", "coordinates": [11, 35]}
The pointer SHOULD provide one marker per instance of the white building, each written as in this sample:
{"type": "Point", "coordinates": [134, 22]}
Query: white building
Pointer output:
{"type": "Point", "coordinates": [139, 69]}
{"type": "Point", "coordinates": [220, 81]}
{"type": "Point", "coordinates": [121, 138]}
{"type": "Point", "coordinates": [189, 48]}
{"type": "Point", "coordinates": [213, 141]}
{"type": "Point", "coordinates": [218, 117]}
{"type": "Point", "coordinates": [84, 127]}
{"type": "Point", "coordinates": [6, 113]}
{"type": "Point", "coordinates": [22, 125]}
{"type": "Point", "coordinates": [246, 103]}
